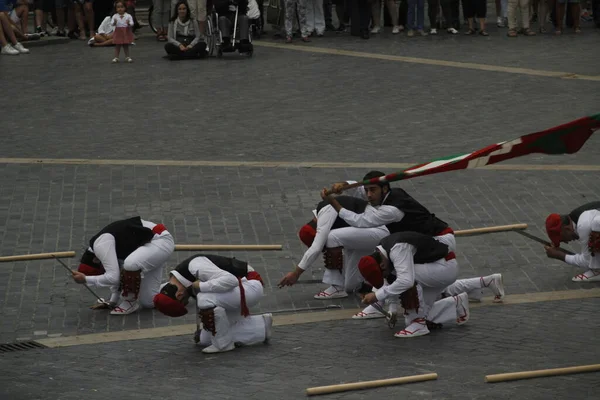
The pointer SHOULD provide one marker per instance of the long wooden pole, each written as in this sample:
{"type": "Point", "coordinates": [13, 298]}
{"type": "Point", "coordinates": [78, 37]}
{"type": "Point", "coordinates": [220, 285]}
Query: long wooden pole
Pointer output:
{"type": "Point", "coordinates": [227, 247]}
{"type": "Point", "coordinates": [40, 256]}
{"type": "Point", "coordinates": [491, 229]}
{"type": "Point", "coordinates": [512, 376]}
{"type": "Point", "coordinates": [369, 384]}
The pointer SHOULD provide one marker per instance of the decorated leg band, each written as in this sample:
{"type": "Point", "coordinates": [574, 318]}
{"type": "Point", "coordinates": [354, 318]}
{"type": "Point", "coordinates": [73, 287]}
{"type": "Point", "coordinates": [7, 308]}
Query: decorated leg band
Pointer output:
{"type": "Point", "coordinates": [207, 317]}
{"type": "Point", "coordinates": [130, 282]}
{"type": "Point", "coordinates": [334, 258]}
{"type": "Point", "coordinates": [410, 299]}
{"type": "Point", "coordinates": [594, 243]}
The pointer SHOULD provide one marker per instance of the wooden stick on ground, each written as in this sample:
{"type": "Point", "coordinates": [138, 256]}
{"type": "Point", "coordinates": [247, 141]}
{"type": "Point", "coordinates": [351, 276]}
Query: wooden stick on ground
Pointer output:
{"type": "Point", "coordinates": [512, 376]}
{"type": "Point", "coordinates": [40, 256]}
{"type": "Point", "coordinates": [491, 229]}
{"type": "Point", "coordinates": [369, 384]}
{"type": "Point", "coordinates": [226, 247]}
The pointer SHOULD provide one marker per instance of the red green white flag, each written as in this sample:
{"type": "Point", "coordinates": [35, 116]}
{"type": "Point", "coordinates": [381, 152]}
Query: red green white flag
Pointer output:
{"type": "Point", "coordinates": [563, 139]}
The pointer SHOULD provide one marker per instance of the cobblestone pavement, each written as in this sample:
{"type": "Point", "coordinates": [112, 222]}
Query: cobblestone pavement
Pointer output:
{"type": "Point", "coordinates": [495, 340]}
{"type": "Point", "coordinates": [68, 101]}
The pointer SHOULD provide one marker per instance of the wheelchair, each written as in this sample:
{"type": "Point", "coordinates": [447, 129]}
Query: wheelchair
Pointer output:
{"type": "Point", "coordinates": [215, 36]}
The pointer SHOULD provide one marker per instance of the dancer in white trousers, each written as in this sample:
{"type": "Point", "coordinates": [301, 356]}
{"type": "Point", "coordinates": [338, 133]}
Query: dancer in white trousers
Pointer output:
{"type": "Point", "coordinates": [417, 268]}
{"type": "Point", "coordinates": [224, 289]}
{"type": "Point", "coordinates": [128, 256]}
{"type": "Point", "coordinates": [581, 224]}
{"type": "Point", "coordinates": [342, 247]}
{"type": "Point", "coordinates": [474, 287]}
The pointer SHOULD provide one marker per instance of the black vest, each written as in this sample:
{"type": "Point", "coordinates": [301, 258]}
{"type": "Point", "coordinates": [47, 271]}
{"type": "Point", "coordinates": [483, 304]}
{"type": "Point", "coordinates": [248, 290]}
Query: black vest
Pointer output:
{"type": "Point", "coordinates": [350, 203]}
{"type": "Point", "coordinates": [576, 213]}
{"type": "Point", "coordinates": [417, 218]}
{"type": "Point", "coordinates": [235, 267]}
{"type": "Point", "coordinates": [428, 249]}
{"type": "Point", "coordinates": [129, 234]}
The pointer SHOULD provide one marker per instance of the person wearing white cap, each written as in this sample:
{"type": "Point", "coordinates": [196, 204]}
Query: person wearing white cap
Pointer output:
{"type": "Point", "coordinates": [224, 289]}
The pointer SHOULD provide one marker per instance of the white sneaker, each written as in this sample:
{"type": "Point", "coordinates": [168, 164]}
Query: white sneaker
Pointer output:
{"type": "Point", "coordinates": [9, 51]}
{"type": "Point", "coordinates": [212, 349]}
{"type": "Point", "coordinates": [126, 307]}
{"type": "Point", "coordinates": [417, 328]}
{"type": "Point", "coordinates": [500, 22]}
{"type": "Point", "coordinates": [332, 292]}
{"type": "Point", "coordinates": [452, 31]}
{"type": "Point", "coordinates": [129, 60]}
{"type": "Point", "coordinates": [115, 60]}
{"type": "Point", "coordinates": [19, 47]}
{"type": "Point", "coordinates": [375, 29]}
{"type": "Point", "coordinates": [397, 29]}
{"type": "Point", "coordinates": [433, 31]}
{"type": "Point", "coordinates": [495, 284]}
{"type": "Point", "coordinates": [588, 276]}
{"type": "Point", "coordinates": [268, 326]}
{"type": "Point", "coordinates": [462, 308]}
{"type": "Point", "coordinates": [369, 312]}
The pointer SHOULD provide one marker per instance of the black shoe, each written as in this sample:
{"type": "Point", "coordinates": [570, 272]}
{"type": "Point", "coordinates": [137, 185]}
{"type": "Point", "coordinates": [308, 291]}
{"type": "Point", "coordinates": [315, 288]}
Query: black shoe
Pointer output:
{"type": "Point", "coordinates": [341, 28]}
{"type": "Point", "coordinates": [329, 27]}
{"type": "Point", "coordinates": [365, 35]}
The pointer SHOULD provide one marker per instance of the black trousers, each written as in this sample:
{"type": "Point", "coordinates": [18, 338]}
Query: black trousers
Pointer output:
{"type": "Point", "coordinates": [195, 52]}
{"type": "Point", "coordinates": [226, 26]}
{"type": "Point", "coordinates": [360, 11]}
{"type": "Point", "coordinates": [474, 8]}
{"type": "Point", "coordinates": [448, 8]}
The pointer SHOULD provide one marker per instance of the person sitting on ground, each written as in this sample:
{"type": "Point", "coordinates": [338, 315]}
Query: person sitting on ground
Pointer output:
{"type": "Point", "coordinates": [104, 35]}
{"type": "Point", "coordinates": [19, 34]}
{"type": "Point", "coordinates": [184, 34]}
{"type": "Point", "coordinates": [20, 14]}
{"type": "Point", "coordinates": [8, 40]}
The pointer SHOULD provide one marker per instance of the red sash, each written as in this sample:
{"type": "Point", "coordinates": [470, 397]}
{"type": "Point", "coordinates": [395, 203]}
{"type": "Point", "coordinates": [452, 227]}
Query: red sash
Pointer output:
{"type": "Point", "coordinates": [159, 228]}
{"type": "Point", "coordinates": [252, 276]}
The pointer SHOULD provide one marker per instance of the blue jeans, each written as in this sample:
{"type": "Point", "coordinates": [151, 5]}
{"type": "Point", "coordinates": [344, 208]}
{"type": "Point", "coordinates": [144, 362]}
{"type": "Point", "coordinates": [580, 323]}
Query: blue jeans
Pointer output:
{"type": "Point", "coordinates": [420, 9]}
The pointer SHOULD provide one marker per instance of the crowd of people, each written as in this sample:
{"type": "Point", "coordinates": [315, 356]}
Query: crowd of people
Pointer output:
{"type": "Point", "coordinates": [183, 23]}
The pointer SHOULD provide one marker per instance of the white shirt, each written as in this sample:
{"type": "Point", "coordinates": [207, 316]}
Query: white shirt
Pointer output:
{"type": "Point", "coordinates": [122, 22]}
{"type": "Point", "coordinates": [402, 258]}
{"type": "Point", "coordinates": [584, 258]}
{"type": "Point", "coordinates": [212, 278]}
{"type": "Point", "coordinates": [372, 217]}
{"type": "Point", "coordinates": [106, 26]}
{"type": "Point", "coordinates": [325, 220]}
{"type": "Point", "coordinates": [105, 249]}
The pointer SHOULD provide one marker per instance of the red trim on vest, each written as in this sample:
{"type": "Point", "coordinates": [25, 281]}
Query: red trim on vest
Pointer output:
{"type": "Point", "coordinates": [159, 228]}
{"type": "Point", "coordinates": [446, 231]}
{"type": "Point", "coordinates": [450, 256]}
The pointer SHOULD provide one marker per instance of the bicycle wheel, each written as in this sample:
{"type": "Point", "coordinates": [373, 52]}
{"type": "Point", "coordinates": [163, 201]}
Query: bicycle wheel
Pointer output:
{"type": "Point", "coordinates": [150, 19]}
{"type": "Point", "coordinates": [210, 36]}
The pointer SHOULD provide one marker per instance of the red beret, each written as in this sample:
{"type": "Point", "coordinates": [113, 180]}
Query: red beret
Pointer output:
{"type": "Point", "coordinates": [89, 270]}
{"type": "Point", "coordinates": [553, 227]}
{"type": "Point", "coordinates": [307, 235]}
{"type": "Point", "coordinates": [370, 270]}
{"type": "Point", "coordinates": [169, 306]}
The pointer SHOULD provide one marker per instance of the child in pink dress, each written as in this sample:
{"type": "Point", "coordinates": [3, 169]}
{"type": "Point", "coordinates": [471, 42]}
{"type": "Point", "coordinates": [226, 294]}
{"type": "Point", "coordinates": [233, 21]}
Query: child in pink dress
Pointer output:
{"type": "Point", "coordinates": [123, 35]}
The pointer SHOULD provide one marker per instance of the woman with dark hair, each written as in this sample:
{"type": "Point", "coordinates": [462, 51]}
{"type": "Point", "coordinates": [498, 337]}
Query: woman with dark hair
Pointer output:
{"type": "Point", "coordinates": [184, 34]}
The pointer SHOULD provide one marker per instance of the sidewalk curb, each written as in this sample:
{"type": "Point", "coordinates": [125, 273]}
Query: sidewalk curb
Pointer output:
{"type": "Point", "coordinates": [46, 42]}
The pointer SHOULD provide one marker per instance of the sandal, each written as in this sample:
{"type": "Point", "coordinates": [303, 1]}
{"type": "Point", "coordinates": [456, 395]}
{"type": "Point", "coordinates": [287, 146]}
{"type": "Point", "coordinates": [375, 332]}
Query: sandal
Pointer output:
{"type": "Point", "coordinates": [484, 33]}
{"type": "Point", "coordinates": [470, 32]}
{"type": "Point", "coordinates": [577, 30]}
{"type": "Point", "coordinates": [512, 33]}
{"type": "Point", "coordinates": [528, 32]}
{"type": "Point", "coordinates": [557, 32]}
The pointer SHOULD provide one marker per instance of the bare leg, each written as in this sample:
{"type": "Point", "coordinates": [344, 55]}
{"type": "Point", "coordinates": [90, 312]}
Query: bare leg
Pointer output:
{"type": "Point", "coordinates": [8, 31]}
{"type": "Point", "coordinates": [3, 41]}
{"type": "Point", "coordinates": [108, 42]}
{"type": "Point", "coordinates": [23, 14]}
{"type": "Point", "coordinates": [80, 23]}
{"type": "Point", "coordinates": [60, 19]}
{"type": "Point", "coordinates": [391, 6]}
{"type": "Point", "coordinates": [89, 15]}
{"type": "Point", "coordinates": [576, 15]}
{"type": "Point", "coordinates": [560, 16]}
{"type": "Point", "coordinates": [126, 50]}
{"type": "Point", "coordinates": [117, 50]}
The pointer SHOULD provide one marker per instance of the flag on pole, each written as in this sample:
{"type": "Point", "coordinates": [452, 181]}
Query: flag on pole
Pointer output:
{"type": "Point", "coordinates": [563, 139]}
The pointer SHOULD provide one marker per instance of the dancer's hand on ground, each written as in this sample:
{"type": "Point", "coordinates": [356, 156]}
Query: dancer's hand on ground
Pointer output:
{"type": "Point", "coordinates": [289, 279]}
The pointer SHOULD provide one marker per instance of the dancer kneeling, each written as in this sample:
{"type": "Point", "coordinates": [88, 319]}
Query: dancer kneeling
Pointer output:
{"type": "Point", "coordinates": [224, 288]}
{"type": "Point", "coordinates": [415, 268]}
